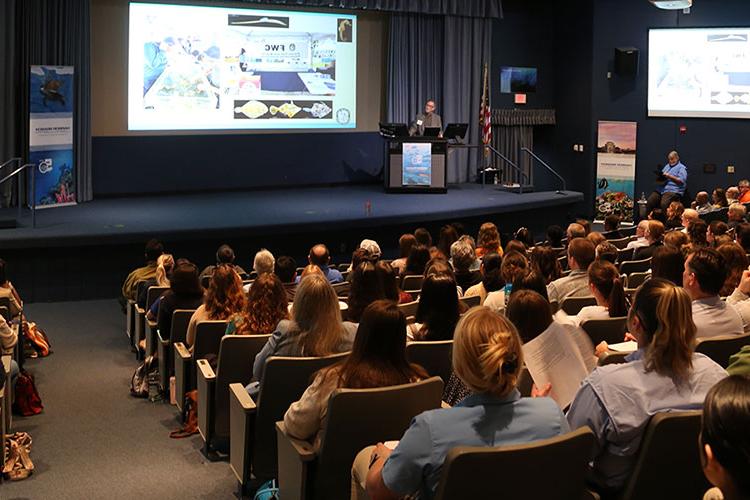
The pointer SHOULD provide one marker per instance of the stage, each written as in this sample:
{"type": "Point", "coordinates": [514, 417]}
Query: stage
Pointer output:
{"type": "Point", "coordinates": [82, 251]}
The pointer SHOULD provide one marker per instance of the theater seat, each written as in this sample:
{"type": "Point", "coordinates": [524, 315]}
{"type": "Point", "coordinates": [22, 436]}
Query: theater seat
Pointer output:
{"type": "Point", "coordinates": [472, 301]}
{"type": "Point", "coordinates": [252, 441]}
{"type": "Point", "coordinates": [634, 280]}
{"type": "Point", "coordinates": [234, 365]}
{"type": "Point", "coordinates": [409, 308]}
{"type": "Point", "coordinates": [722, 347]}
{"type": "Point", "coordinates": [572, 305]}
{"type": "Point", "coordinates": [668, 463]}
{"type": "Point", "coordinates": [434, 356]}
{"type": "Point", "coordinates": [153, 293]}
{"type": "Point", "coordinates": [609, 330]}
{"type": "Point", "coordinates": [412, 283]}
{"type": "Point", "coordinates": [356, 418]}
{"type": "Point", "coordinates": [472, 472]}
{"type": "Point", "coordinates": [165, 341]}
{"type": "Point", "coordinates": [629, 267]}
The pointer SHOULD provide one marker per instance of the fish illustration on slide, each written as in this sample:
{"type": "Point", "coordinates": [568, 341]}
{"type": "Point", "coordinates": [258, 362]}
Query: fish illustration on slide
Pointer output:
{"type": "Point", "coordinates": [51, 91]}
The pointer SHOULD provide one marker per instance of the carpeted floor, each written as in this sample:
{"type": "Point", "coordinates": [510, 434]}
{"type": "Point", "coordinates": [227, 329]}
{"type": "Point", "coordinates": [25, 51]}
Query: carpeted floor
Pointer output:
{"type": "Point", "coordinates": [93, 440]}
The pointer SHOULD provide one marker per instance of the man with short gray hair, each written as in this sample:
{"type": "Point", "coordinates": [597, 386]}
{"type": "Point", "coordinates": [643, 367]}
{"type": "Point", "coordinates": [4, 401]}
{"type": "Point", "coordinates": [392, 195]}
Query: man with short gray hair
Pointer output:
{"type": "Point", "coordinates": [463, 258]}
{"type": "Point", "coordinates": [263, 262]}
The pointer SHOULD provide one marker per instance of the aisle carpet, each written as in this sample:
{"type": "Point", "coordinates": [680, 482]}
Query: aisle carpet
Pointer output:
{"type": "Point", "coordinates": [93, 440]}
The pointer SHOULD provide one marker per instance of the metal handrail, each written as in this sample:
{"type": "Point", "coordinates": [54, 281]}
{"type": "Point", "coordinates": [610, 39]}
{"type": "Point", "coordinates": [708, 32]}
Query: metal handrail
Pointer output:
{"type": "Point", "coordinates": [33, 187]}
{"type": "Point", "coordinates": [512, 164]}
{"type": "Point", "coordinates": [531, 153]}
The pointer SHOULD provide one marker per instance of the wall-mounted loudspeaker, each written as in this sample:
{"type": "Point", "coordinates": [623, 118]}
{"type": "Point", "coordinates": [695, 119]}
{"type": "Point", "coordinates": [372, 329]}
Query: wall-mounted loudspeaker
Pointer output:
{"type": "Point", "coordinates": [626, 61]}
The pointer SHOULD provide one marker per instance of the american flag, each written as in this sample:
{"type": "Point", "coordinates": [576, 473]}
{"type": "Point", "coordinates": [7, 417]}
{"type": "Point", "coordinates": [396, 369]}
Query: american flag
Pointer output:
{"type": "Point", "coordinates": [485, 114]}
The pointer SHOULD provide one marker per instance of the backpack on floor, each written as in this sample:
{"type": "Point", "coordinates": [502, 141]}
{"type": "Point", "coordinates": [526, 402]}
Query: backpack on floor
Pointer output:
{"type": "Point", "coordinates": [267, 491]}
{"type": "Point", "coordinates": [37, 338]}
{"type": "Point", "coordinates": [27, 401]}
{"type": "Point", "coordinates": [139, 383]}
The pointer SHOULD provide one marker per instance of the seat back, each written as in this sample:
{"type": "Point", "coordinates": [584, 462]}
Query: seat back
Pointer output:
{"type": "Point", "coordinates": [409, 308]}
{"type": "Point", "coordinates": [635, 266]}
{"type": "Point", "coordinates": [634, 280]}
{"type": "Point", "coordinates": [235, 364]}
{"type": "Point", "coordinates": [472, 301]}
{"type": "Point", "coordinates": [721, 348]}
{"type": "Point", "coordinates": [342, 289]}
{"type": "Point", "coordinates": [434, 356]}
{"type": "Point", "coordinates": [283, 382]}
{"type": "Point", "coordinates": [361, 417]}
{"type": "Point", "coordinates": [412, 282]}
{"type": "Point", "coordinates": [5, 303]}
{"type": "Point", "coordinates": [609, 330]}
{"type": "Point", "coordinates": [180, 322]}
{"type": "Point", "coordinates": [572, 305]}
{"type": "Point", "coordinates": [472, 472]}
{"type": "Point", "coordinates": [153, 293]}
{"type": "Point", "coordinates": [206, 281]}
{"type": "Point", "coordinates": [525, 382]}
{"type": "Point", "coordinates": [208, 336]}
{"type": "Point", "coordinates": [625, 254]}
{"type": "Point", "coordinates": [621, 243]}
{"type": "Point", "coordinates": [668, 463]}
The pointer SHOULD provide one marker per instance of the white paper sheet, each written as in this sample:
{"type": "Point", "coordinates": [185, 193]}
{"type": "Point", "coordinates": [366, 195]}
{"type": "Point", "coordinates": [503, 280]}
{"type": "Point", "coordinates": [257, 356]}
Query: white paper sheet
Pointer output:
{"type": "Point", "coordinates": [628, 346]}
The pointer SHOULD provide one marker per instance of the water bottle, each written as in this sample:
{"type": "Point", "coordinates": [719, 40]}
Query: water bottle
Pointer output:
{"type": "Point", "coordinates": [507, 290]}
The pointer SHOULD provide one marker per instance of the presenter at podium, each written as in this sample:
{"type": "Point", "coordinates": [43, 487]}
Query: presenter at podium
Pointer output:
{"type": "Point", "coordinates": [427, 120]}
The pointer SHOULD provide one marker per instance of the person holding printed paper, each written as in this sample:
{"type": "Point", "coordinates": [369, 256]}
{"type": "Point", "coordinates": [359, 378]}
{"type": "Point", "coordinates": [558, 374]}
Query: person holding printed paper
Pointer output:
{"type": "Point", "coordinates": [428, 119]}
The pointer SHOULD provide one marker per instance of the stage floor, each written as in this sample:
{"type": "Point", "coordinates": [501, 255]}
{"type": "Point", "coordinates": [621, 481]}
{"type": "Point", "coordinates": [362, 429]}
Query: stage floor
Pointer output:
{"type": "Point", "coordinates": [177, 217]}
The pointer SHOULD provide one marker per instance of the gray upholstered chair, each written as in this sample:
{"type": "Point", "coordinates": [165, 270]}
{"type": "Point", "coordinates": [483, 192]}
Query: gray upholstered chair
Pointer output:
{"type": "Point", "coordinates": [434, 356]}
{"type": "Point", "coordinates": [165, 354]}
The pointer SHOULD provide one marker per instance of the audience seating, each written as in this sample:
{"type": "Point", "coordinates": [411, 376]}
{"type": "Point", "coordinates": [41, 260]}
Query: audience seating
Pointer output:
{"type": "Point", "coordinates": [5, 308]}
{"type": "Point", "coordinates": [609, 330]}
{"type": "Point", "coordinates": [635, 266]}
{"type": "Point", "coordinates": [342, 289]}
{"type": "Point", "coordinates": [434, 356]}
{"type": "Point", "coordinates": [140, 318]}
{"type": "Point", "coordinates": [525, 382]}
{"type": "Point", "coordinates": [572, 305]}
{"type": "Point", "coordinates": [344, 266]}
{"type": "Point", "coordinates": [6, 403]}
{"type": "Point", "coordinates": [668, 464]}
{"type": "Point", "coordinates": [208, 336]}
{"type": "Point", "coordinates": [409, 308]}
{"type": "Point", "coordinates": [130, 316]}
{"type": "Point", "coordinates": [625, 254]}
{"type": "Point", "coordinates": [380, 414]}
{"type": "Point", "coordinates": [234, 364]}
{"type": "Point", "coordinates": [165, 357]}
{"type": "Point", "coordinates": [412, 283]}
{"type": "Point", "coordinates": [472, 472]}
{"type": "Point", "coordinates": [621, 243]}
{"type": "Point", "coordinates": [472, 301]}
{"type": "Point", "coordinates": [634, 280]}
{"type": "Point", "coordinates": [252, 441]}
{"type": "Point", "coordinates": [722, 214]}
{"type": "Point", "coordinates": [153, 293]}
{"type": "Point", "coordinates": [563, 260]}
{"type": "Point", "coordinates": [722, 347]}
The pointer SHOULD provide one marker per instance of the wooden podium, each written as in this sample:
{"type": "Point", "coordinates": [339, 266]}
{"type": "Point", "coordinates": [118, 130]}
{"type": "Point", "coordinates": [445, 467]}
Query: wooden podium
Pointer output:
{"type": "Point", "coordinates": [393, 175]}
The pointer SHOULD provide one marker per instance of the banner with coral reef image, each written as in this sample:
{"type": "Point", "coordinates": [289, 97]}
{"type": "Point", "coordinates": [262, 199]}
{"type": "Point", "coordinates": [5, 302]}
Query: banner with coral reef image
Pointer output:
{"type": "Point", "coordinates": [615, 170]}
{"type": "Point", "coordinates": [51, 135]}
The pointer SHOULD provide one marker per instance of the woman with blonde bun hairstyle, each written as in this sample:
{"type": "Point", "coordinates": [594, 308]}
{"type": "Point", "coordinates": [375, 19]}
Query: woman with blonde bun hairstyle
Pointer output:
{"type": "Point", "coordinates": [487, 358]}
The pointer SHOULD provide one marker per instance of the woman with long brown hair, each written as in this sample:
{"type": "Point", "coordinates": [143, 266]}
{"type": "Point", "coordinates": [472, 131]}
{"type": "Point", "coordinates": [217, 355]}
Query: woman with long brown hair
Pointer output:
{"type": "Point", "coordinates": [224, 298]}
{"type": "Point", "coordinates": [488, 240]}
{"type": "Point", "coordinates": [378, 359]}
{"type": "Point", "coordinates": [266, 305]}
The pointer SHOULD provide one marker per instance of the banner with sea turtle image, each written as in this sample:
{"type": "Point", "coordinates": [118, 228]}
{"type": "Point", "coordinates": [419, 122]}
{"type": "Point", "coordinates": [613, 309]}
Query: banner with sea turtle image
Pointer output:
{"type": "Point", "coordinates": [615, 170]}
{"type": "Point", "coordinates": [51, 135]}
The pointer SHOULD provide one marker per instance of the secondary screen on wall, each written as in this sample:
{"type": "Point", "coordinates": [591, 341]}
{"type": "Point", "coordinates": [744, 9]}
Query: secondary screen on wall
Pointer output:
{"type": "Point", "coordinates": [202, 68]}
{"type": "Point", "coordinates": [701, 72]}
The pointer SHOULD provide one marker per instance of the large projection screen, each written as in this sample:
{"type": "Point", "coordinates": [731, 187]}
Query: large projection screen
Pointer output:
{"type": "Point", "coordinates": [699, 72]}
{"type": "Point", "coordinates": [216, 68]}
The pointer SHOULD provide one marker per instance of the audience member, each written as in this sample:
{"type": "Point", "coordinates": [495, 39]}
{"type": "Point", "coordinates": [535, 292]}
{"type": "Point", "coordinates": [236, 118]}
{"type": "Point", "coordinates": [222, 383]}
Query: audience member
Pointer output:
{"type": "Point", "coordinates": [740, 301]}
{"type": "Point", "coordinates": [674, 215]}
{"type": "Point", "coordinates": [675, 180]}
{"type": "Point", "coordinates": [606, 286]}
{"type": "Point", "coordinates": [715, 228]}
{"type": "Point", "coordinates": [701, 203]}
{"type": "Point", "coordinates": [378, 359]}
{"type": "Point", "coordinates": [423, 237]}
{"type": "Point", "coordinates": [319, 256]}
{"type": "Point", "coordinates": [307, 271]}
{"type": "Point", "coordinates": [514, 265]}
{"type": "Point", "coordinates": [736, 215]}
{"type": "Point", "coordinates": [574, 231]}
{"type": "Point", "coordinates": [389, 282]}
{"type": "Point", "coordinates": [555, 235]}
{"type": "Point", "coordinates": [663, 374]}
{"type": "Point", "coordinates": [224, 298]}
{"type": "Point", "coordinates": [581, 254]}
{"type": "Point", "coordinates": [264, 262]}
{"type": "Point", "coordinates": [8, 291]}
{"type": "Point", "coordinates": [733, 195]}
{"type": "Point", "coordinates": [595, 237]}
{"type": "Point", "coordinates": [286, 269]}
{"type": "Point", "coordinates": [417, 261]}
{"type": "Point", "coordinates": [742, 236]}
{"type": "Point", "coordinates": [744, 187]}
{"type": "Point", "coordinates": [438, 310]}
{"type": "Point", "coordinates": [164, 267]}
{"type": "Point", "coordinates": [676, 239]}
{"type": "Point", "coordinates": [487, 358]}
{"type": "Point", "coordinates": [696, 232]}
{"type": "Point", "coordinates": [719, 198]}
{"type": "Point", "coordinates": [224, 255]}
{"type": "Point", "coordinates": [654, 235]}
{"type": "Point", "coordinates": [612, 227]}
{"type": "Point", "coordinates": [606, 251]}
{"type": "Point", "coordinates": [405, 243]}
{"type": "Point", "coordinates": [668, 263]}
{"type": "Point", "coordinates": [544, 262]}
{"type": "Point", "coordinates": [688, 215]}
{"type": "Point", "coordinates": [722, 239]}
{"type": "Point", "coordinates": [492, 279]}
{"type": "Point", "coordinates": [447, 237]}
{"type": "Point", "coordinates": [266, 305]}
{"type": "Point", "coordinates": [735, 262]}
{"type": "Point", "coordinates": [185, 292]}
{"type": "Point", "coordinates": [658, 214]}
{"type": "Point", "coordinates": [463, 258]}
{"type": "Point", "coordinates": [515, 246]}
{"type": "Point", "coordinates": [459, 227]}
{"type": "Point", "coordinates": [585, 224]}
{"type": "Point", "coordinates": [703, 278]}
{"type": "Point", "coordinates": [524, 236]}
{"type": "Point", "coordinates": [640, 236]}
{"type": "Point", "coordinates": [154, 249]}
{"type": "Point", "coordinates": [724, 440]}
{"type": "Point", "coordinates": [359, 256]}
{"type": "Point", "coordinates": [315, 328]}
{"type": "Point", "coordinates": [531, 281]}
{"type": "Point", "coordinates": [366, 288]}
{"type": "Point", "coordinates": [488, 240]}
{"type": "Point", "coordinates": [373, 249]}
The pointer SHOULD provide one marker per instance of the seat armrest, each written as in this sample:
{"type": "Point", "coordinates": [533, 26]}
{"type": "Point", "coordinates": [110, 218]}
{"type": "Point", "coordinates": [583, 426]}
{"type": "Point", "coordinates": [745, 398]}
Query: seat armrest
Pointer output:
{"type": "Point", "coordinates": [183, 373]}
{"type": "Point", "coordinates": [243, 398]}
{"type": "Point", "coordinates": [206, 385]}
{"type": "Point", "coordinates": [241, 432]}
{"type": "Point", "coordinates": [443, 404]}
{"type": "Point", "coordinates": [205, 371]}
{"type": "Point", "coordinates": [181, 351]}
{"type": "Point", "coordinates": [294, 459]}
{"type": "Point", "coordinates": [151, 323]}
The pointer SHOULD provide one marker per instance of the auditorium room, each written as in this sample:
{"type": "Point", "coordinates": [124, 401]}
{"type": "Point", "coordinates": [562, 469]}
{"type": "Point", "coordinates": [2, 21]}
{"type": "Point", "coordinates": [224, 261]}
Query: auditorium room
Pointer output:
{"type": "Point", "coordinates": [216, 214]}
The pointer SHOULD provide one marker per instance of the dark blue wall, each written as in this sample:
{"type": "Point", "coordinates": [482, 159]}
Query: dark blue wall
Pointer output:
{"type": "Point", "coordinates": [719, 141]}
{"type": "Point", "coordinates": [168, 164]}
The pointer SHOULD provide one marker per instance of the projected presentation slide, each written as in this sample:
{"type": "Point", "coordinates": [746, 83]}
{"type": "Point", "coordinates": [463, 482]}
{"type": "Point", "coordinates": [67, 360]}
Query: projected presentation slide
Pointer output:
{"type": "Point", "coordinates": [699, 72]}
{"type": "Point", "coordinates": [199, 68]}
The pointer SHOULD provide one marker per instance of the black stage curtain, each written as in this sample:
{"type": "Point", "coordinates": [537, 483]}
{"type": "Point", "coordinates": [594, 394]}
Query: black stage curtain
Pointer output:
{"type": "Point", "coordinates": [49, 32]}
{"type": "Point", "coordinates": [491, 9]}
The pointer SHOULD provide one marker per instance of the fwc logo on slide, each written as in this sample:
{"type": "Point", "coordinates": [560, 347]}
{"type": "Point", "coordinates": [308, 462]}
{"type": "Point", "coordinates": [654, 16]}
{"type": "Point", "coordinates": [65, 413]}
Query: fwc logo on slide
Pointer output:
{"type": "Point", "coordinates": [45, 165]}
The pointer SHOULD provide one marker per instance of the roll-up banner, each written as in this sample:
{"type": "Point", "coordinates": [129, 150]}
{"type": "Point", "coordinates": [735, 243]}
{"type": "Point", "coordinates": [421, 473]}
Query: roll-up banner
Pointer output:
{"type": "Point", "coordinates": [615, 170]}
{"type": "Point", "coordinates": [51, 136]}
